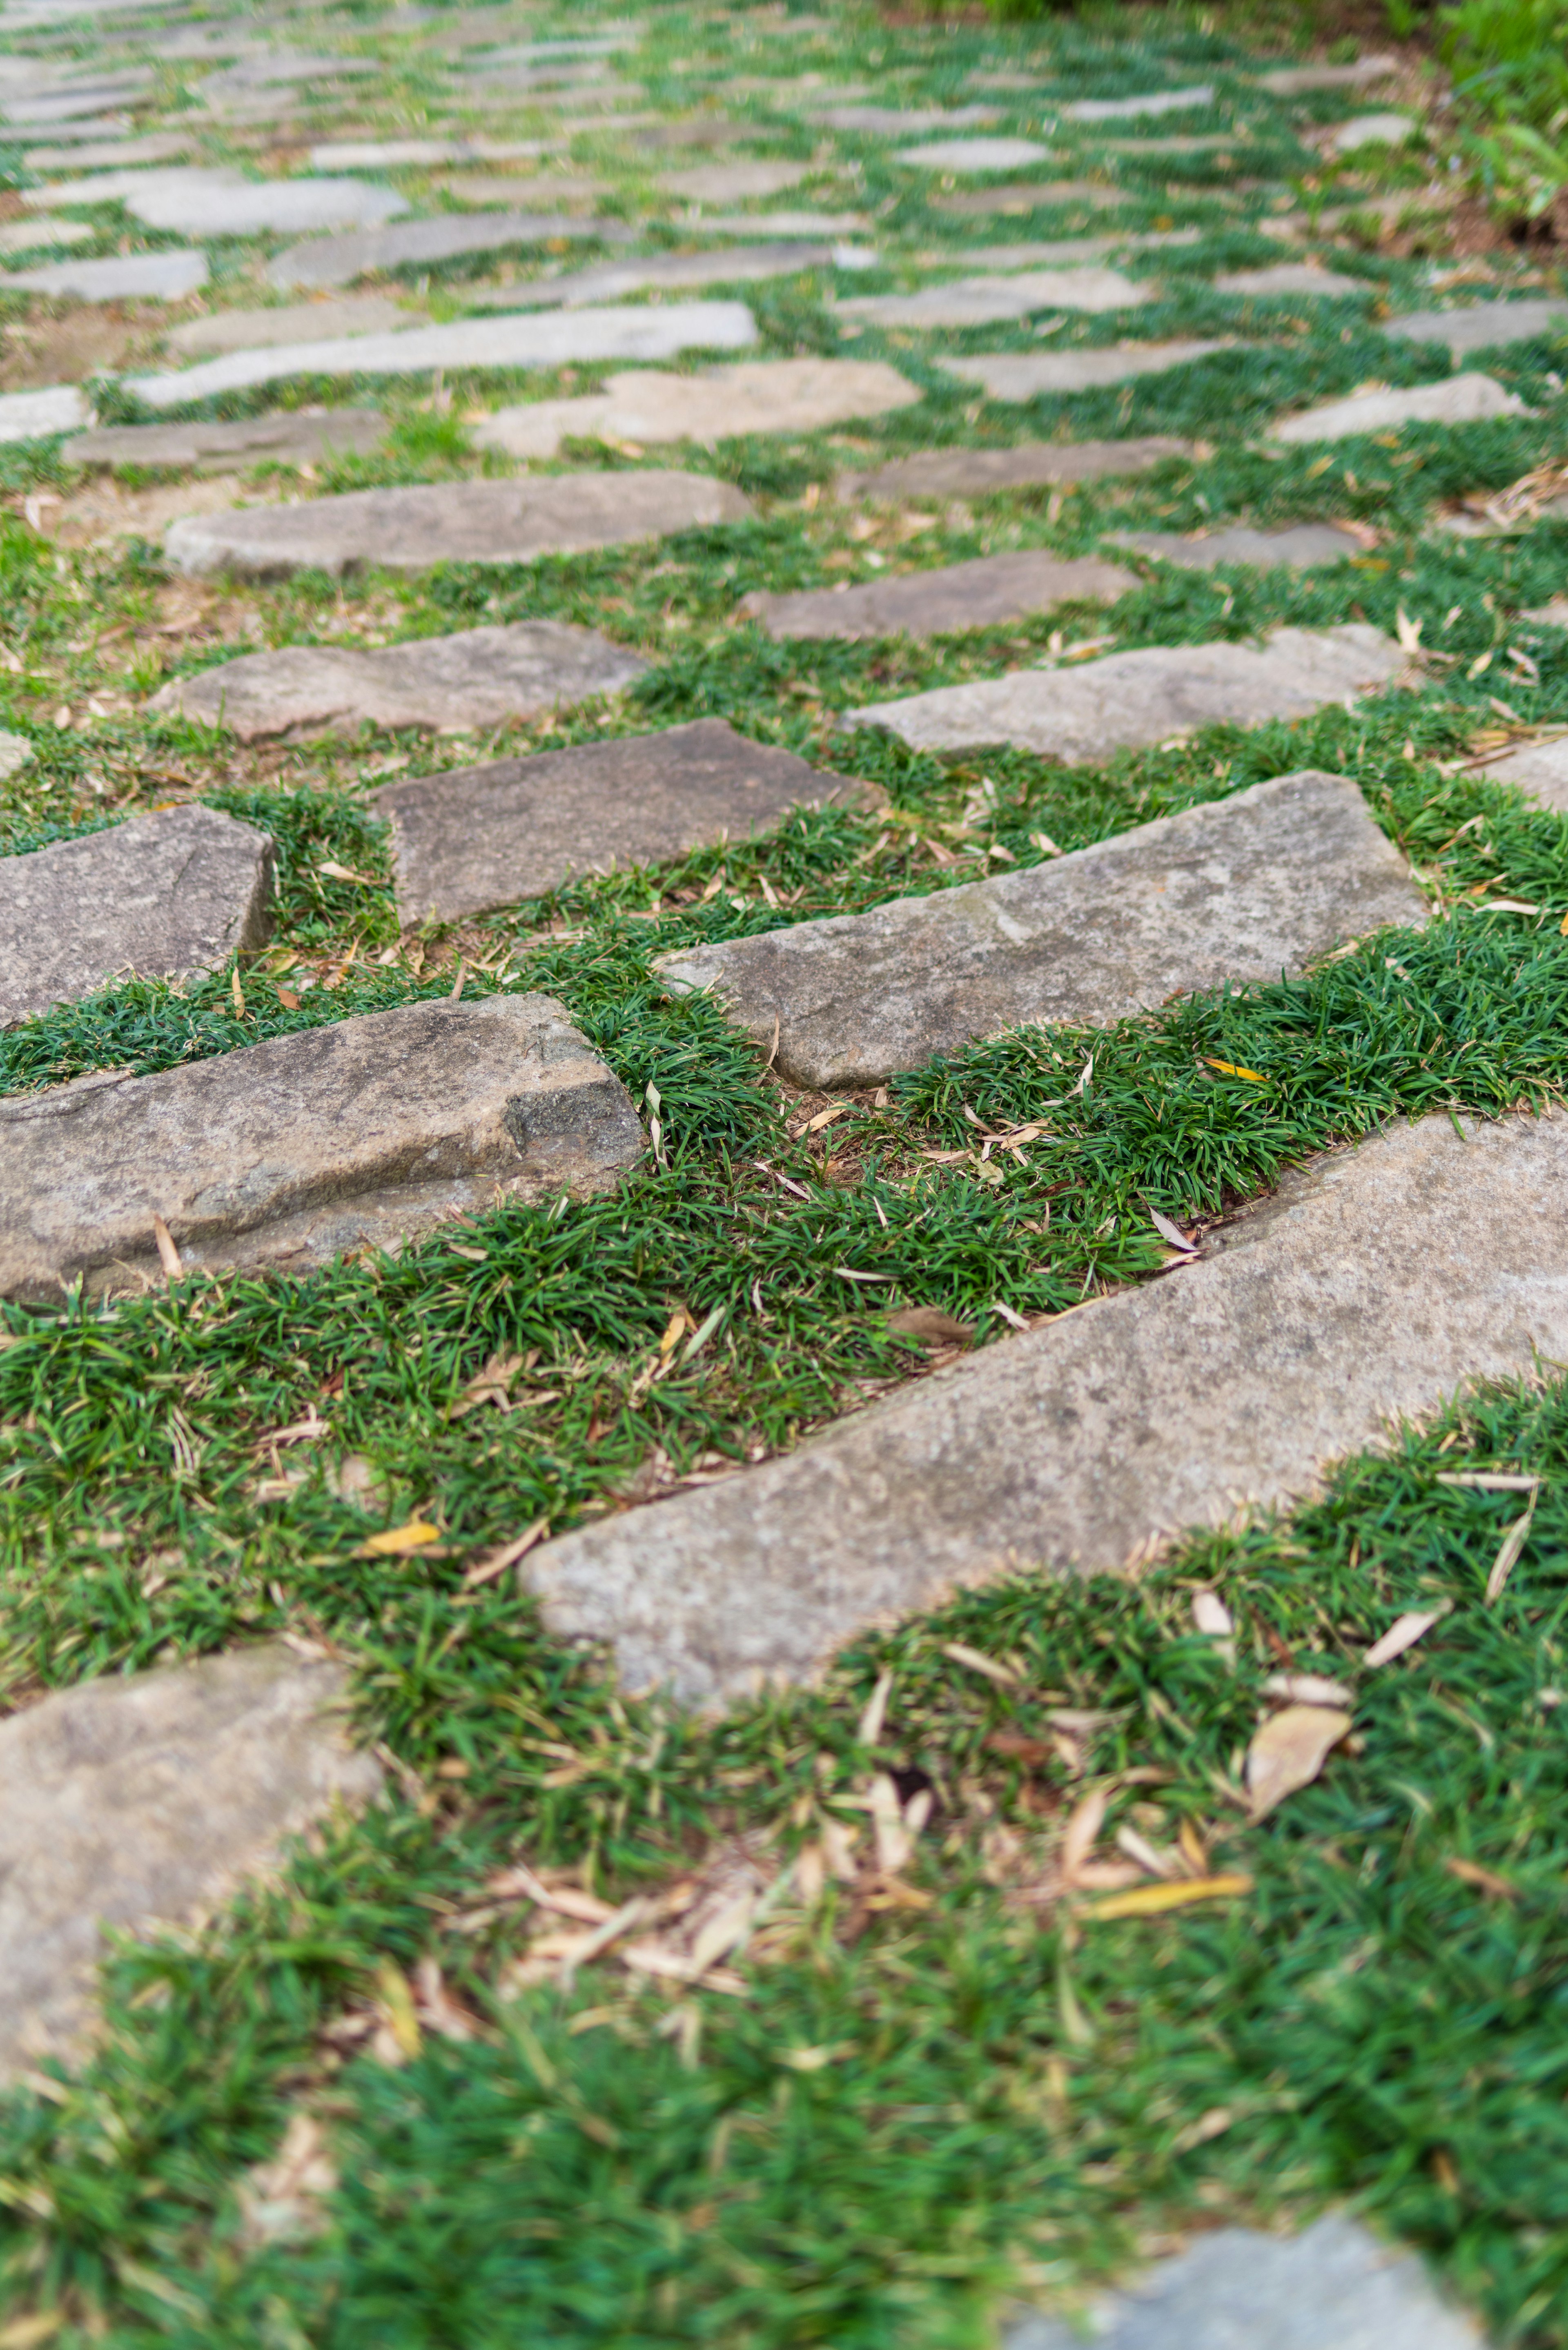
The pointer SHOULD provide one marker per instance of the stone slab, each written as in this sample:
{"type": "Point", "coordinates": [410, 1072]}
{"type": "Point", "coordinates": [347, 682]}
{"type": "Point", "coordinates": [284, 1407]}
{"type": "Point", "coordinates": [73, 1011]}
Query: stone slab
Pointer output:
{"type": "Point", "coordinates": [283, 206]}
{"type": "Point", "coordinates": [1200, 142]}
{"type": "Point", "coordinates": [1025, 375]}
{"type": "Point", "coordinates": [734, 183]}
{"type": "Point", "coordinates": [900, 122]}
{"type": "Point", "coordinates": [1236, 890]}
{"type": "Point", "coordinates": [414, 245]}
{"type": "Point", "coordinates": [1460, 399]}
{"type": "Point", "coordinates": [191, 180]}
{"type": "Point", "coordinates": [137, 1801]}
{"type": "Point", "coordinates": [1299, 81]}
{"type": "Point", "coordinates": [792, 223]}
{"type": "Point", "coordinates": [982, 301]}
{"type": "Point", "coordinates": [476, 677]}
{"type": "Point", "coordinates": [1301, 547]}
{"type": "Point", "coordinates": [15, 751]}
{"type": "Point", "coordinates": [986, 472]}
{"type": "Point", "coordinates": [121, 277]}
{"type": "Point", "coordinates": [610, 281]}
{"type": "Point", "coordinates": [295, 436]}
{"type": "Point", "coordinates": [757, 396]}
{"type": "Point", "coordinates": [656, 332]}
{"type": "Point", "coordinates": [704, 131]}
{"type": "Point", "coordinates": [1082, 713]}
{"type": "Point", "coordinates": [450, 522]}
{"type": "Point", "coordinates": [1372, 130]}
{"type": "Point", "coordinates": [478, 837]}
{"type": "Point", "coordinates": [1292, 278]}
{"type": "Point", "coordinates": [1374, 1282]}
{"type": "Point", "coordinates": [355, 1135]}
{"type": "Point", "coordinates": [29, 236]}
{"type": "Point", "coordinates": [1116, 109]}
{"type": "Point", "coordinates": [1539, 769]}
{"type": "Point", "coordinates": [1027, 196]}
{"type": "Point", "coordinates": [168, 896]}
{"type": "Point", "coordinates": [1482, 327]}
{"type": "Point", "coordinates": [973, 155]}
{"type": "Point", "coordinates": [90, 154]}
{"type": "Point", "coordinates": [530, 192]}
{"type": "Point", "coordinates": [986, 592]}
{"type": "Point", "coordinates": [252, 330]}
{"type": "Point", "coordinates": [399, 154]}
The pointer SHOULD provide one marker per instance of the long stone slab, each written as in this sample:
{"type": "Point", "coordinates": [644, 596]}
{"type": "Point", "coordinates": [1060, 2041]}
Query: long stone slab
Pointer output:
{"type": "Point", "coordinates": [1482, 327]}
{"type": "Point", "coordinates": [479, 837]}
{"type": "Point", "coordinates": [984, 473]}
{"type": "Point", "coordinates": [1539, 769]}
{"type": "Point", "coordinates": [476, 677]}
{"type": "Point", "coordinates": [1290, 278]}
{"type": "Point", "coordinates": [737, 182]}
{"type": "Point", "coordinates": [1025, 375]}
{"type": "Point", "coordinates": [1028, 196]}
{"type": "Point", "coordinates": [900, 122]}
{"type": "Point", "coordinates": [1236, 890]}
{"type": "Point", "coordinates": [1299, 547]}
{"type": "Point", "coordinates": [756, 396]}
{"type": "Point", "coordinates": [450, 522]}
{"type": "Point", "coordinates": [1154, 101]}
{"type": "Point", "coordinates": [298, 436]}
{"type": "Point", "coordinates": [982, 301]}
{"type": "Point", "coordinates": [531, 341]}
{"type": "Point", "coordinates": [611, 281]}
{"type": "Point", "coordinates": [142, 1801]}
{"type": "Point", "coordinates": [973, 155]}
{"type": "Point", "coordinates": [1459, 400]}
{"type": "Point", "coordinates": [1297, 81]}
{"type": "Point", "coordinates": [249, 331]}
{"type": "Point", "coordinates": [42, 230]}
{"type": "Point", "coordinates": [358, 1135]}
{"type": "Point", "coordinates": [166, 896]}
{"type": "Point", "coordinates": [120, 277]}
{"type": "Point", "coordinates": [33, 415]}
{"type": "Point", "coordinates": [986, 592]}
{"type": "Point", "coordinates": [286, 207]}
{"type": "Point", "coordinates": [1372, 130]}
{"type": "Point", "coordinates": [1374, 1282]}
{"type": "Point", "coordinates": [1127, 701]}
{"type": "Point", "coordinates": [416, 245]}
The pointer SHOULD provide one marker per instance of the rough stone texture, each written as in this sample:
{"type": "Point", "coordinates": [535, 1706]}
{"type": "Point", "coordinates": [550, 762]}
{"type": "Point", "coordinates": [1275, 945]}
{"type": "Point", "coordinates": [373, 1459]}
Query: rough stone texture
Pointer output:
{"type": "Point", "coordinates": [734, 183]}
{"type": "Point", "coordinates": [301, 436]}
{"type": "Point", "coordinates": [1299, 547]}
{"type": "Point", "coordinates": [451, 521]}
{"type": "Point", "coordinates": [973, 155]}
{"type": "Point", "coordinates": [355, 1135]}
{"type": "Point", "coordinates": [122, 277]}
{"type": "Point", "coordinates": [978, 473]}
{"type": "Point", "coordinates": [1460, 399]}
{"type": "Point", "coordinates": [15, 751]}
{"type": "Point", "coordinates": [793, 223]}
{"type": "Point", "coordinates": [521, 192]}
{"type": "Point", "coordinates": [1127, 700]}
{"type": "Point", "coordinates": [246, 208]}
{"type": "Point", "coordinates": [120, 187]}
{"type": "Point", "coordinates": [477, 677]}
{"type": "Point", "coordinates": [93, 155]}
{"type": "Point", "coordinates": [1024, 375]}
{"type": "Point", "coordinates": [142, 1801]}
{"type": "Point", "coordinates": [1374, 1282]}
{"type": "Point", "coordinates": [249, 331]}
{"type": "Point", "coordinates": [413, 245]}
{"type": "Point", "coordinates": [1240, 889]}
{"type": "Point", "coordinates": [1540, 769]}
{"type": "Point", "coordinates": [478, 837]}
{"type": "Point", "coordinates": [1293, 277]}
{"type": "Point", "coordinates": [982, 301]}
{"type": "Point", "coordinates": [1483, 327]}
{"type": "Point", "coordinates": [32, 415]}
{"type": "Point", "coordinates": [609, 281]}
{"type": "Point", "coordinates": [1116, 109]}
{"type": "Point", "coordinates": [898, 122]}
{"type": "Point", "coordinates": [27, 235]}
{"type": "Point", "coordinates": [575, 337]}
{"type": "Point", "coordinates": [979, 595]}
{"type": "Point", "coordinates": [1334, 2287]}
{"type": "Point", "coordinates": [1204, 142]}
{"type": "Point", "coordinates": [757, 396]}
{"type": "Point", "coordinates": [1372, 130]}
{"type": "Point", "coordinates": [1298, 81]}
{"type": "Point", "coordinates": [165, 895]}
{"type": "Point", "coordinates": [1027, 196]}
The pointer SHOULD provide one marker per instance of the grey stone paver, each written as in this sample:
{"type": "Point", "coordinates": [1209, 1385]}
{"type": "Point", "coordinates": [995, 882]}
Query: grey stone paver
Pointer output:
{"type": "Point", "coordinates": [1372, 130]}
{"type": "Point", "coordinates": [32, 415]}
{"type": "Point", "coordinates": [533, 192]}
{"type": "Point", "coordinates": [1200, 142]}
{"type": "Point", "coordinates": [1055, 253]}
{"type": "Point", "coordinates": [1460, 399]}
{"type": "Point", "coordinates": [1237, 888]}
{"type": "Point", "coordinates": [409, 245]}
{"type": "Point", "coordinates": [298, 435]}
{"type": "Point", "coordinates": [1027, 196]}
{"type": "Point", "coordinates": [250, 330]}
{"type": "Point", "coordinates": [983, 594]}
{"type": "Point", "coordinates": [478, 837]}
{"type": "Point", "coordinates": [354, 1135]}
{"type": "Point", "coordinates": [1482, 325]}
{"type": "Point", "coordinates": [138, 1801]}
{"type": "Point", "coordinates": [244, 208]}
{"type": "Point", "coordinates": [983, 301]}
{"type": "Point", "coordinates": [31, 235]}
{"type": "Point", "coordinates": [1083, 711]}
{"type": "Point", "coordinates": [973, 155]}
{"type": "Point", "coordinates": [734, 183]}
{"type": "Point", "coordinates": [1540, 769]}
{"type": "Point", "coordinates": [167, 896]}
{"type": "Point", "coordinates": [450, 522]}
{"type": "Point", "coordinates": [1024, 375]}
{"type": "Point", "coordinates": [120, 277]}
{"type": "Point", "coordinates": [900, 122]}
{"type": "Point", "coordinates": [1299, 547]}
{"type": "Point", "coordinates": [1116, 109]}
{"type": "Point", "coordinates": [609, 281]}
{"type": "Point", "coordinates": [1298, 81]}
{"type": "Point", "coordinates": [1294, 277]}
{"type": "Point", "coordinates": [1371, 1284]}
{"type": "Point", "coordinates": [476, 677]}
{"type": "Point", "coordinates": [980, 473]}
{"type": "Point", "coordinates": [756, 396]}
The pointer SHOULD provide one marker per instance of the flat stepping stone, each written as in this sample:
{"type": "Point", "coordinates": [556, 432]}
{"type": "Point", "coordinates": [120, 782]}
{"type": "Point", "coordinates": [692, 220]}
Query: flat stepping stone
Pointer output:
{"type": "Point", "coordinates": [397, 154]}
{"type": "Point", "coordinates": [1460, 399]}
{"type": "Point", "coordinates": [1127, 701]}
{"type": "Point", "coordinates": [757, 396]}
{"type": "Point", "coordinates": [251, 330]}
{"type": "Point", "coordinates": [1370, 1287]}
{"type": "Point", "coordinates": [983, 472]}
{"type": "Point", "coordinates": [1236, 890]}
{"type": "Point", "coordinates": [904, 122]}
{"type": "Point", "coordinates": [1299, 81]}
{"type": "Point", "coordinates": [734, 183]}
{"type": "Point", "coordinates": [29, 235]}
{"type": "Point", "coordinates": [973, 155]}
{"type": "Point", "coordinates": [1113, 110]}
{"type": "Point", "coordinates": [450, 522]}
{"type": "Point", "coordinates": [140, 1799]}
{"type": "Point", "coordinates": [529, 341]}
{"type": "Point", "coordinates": [980, 595]}
{"type": "Point", "coordinates": [1024, 375]}
{"type": "Point", "coordinates": [478, 837]}
{"type": "Point", "coordinates": [293, 436]}
{"type": "Point", "coordinates": [1372, 130]}
{"type": "Point", "coordinates": [1483, 327]}
{"type": "Point", "coordinates": [33, 415]}
{"type": "Point", "coordinates": [169, 896]}
{"type": "Point", "coordinates": [1064, 252]}
{"type": "Point", "coordinates": [1294, 277]}
{"type": "Point", "coordinates": [1301, 547]}
{"type": "Point", "coordinates": [610, 281]}
{"type": "Point", "coordinates": [1539, 769]}
{"type": "Point", "coordinates": [1027, 196]}
{"type": "Point", "coordinates": [122, 277]}
{"type": "Point", "coordinates": [519, 194]}
{"type": "Point", "coordinates": [357, 1134]}
{"type": "Point", "coordinates": [91, 154]}
{"type": "Point", "coordinates": [791, 223]}
{"type": "Point", "coordinates": [247, 207]}
{"type": "Point", "coordinates": [982, 301]}
{"type": "Point", "coordinates": [476, 677]}
{"type": "Point", "coordinates": [411, 244]}
{"type": "Point", "coordinates": [1203, 142]}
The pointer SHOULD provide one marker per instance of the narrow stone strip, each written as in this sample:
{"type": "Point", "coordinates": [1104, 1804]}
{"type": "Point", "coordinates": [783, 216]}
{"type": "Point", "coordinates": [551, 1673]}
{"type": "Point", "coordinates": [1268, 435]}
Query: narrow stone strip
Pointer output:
{"type": "Point", "coordinates": [754, 396]}
{"type": "Point", "coordinates": [981, 473]}
{"type": "Point", "coordinates": [984, 594]}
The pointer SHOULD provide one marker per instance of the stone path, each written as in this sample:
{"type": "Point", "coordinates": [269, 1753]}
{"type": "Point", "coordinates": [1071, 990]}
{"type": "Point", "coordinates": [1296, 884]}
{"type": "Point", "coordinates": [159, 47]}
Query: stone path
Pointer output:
{"type": "Point", "coordinates": [1462, 400]}
{"type": "Point", "coordinates": [245, 331]}
{"type": "Point", "coordinates": [413, 245]}
{"type": "Point", "coordinates": [304, 436]}
{"type": "Point", "coordinates": [1540, 770]}
{"type": "Point", "coordinates": [979, 595]}
{"type": "Point", "coordinates": [1009, 375]}
{"type": "Point", "coordinates": [124, 278]}
{"type": "Point", "coordinates": [756, 396]}
{"type": "Point", "coordinates": [1480, 325]}
{"type": "Point", "coordinates": [1301, 546]}
{"type": "Point", "coordinates": [980, 472]}
{"type": "Point", "coordinates": [983, 301]}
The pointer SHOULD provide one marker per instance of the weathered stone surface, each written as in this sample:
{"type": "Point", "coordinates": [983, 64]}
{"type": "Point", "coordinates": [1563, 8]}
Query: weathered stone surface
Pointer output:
{"type": "Point", "coordinates": [757, 396]}
{"type": "Point", "coordinates": [980, 473]}
{"type": "Point", "coordinates": [898, 123]}
{"type": "Point", "coordinates": [1483, 327]}
{"type": "Point", "coordinates": [1540, 769]}
{"type": "Point", "coordinates": [476, 677]}
{"type": "Point", "coordinates": [1297, 81]}
{"type": "Point", "coordinates": [1165, 101]}
{"type": "Point", "coordinates": [165, 895]}
{"type": "Point", "coordinates": [31, 415]}
{"type": "Point", "coordinates": [121, 277]}
{"type": "Point", "coordinates": [94, 154]}
{"type": "Point", "coordinates": [576, 336]}
{"type": "Point", "coordinates": [1027, 196]}
{"type": "Point", "coordinates": [982, 301]}
{"type": "Point", "coordinates": [979, 595]}
{"type": "Point", "coordinates": [1200, 142]}
{"type": "Point", "coordinates": [610, 281]}
{"type": "Point", "coordinates": [1024, 375]}
{"type": "Point", "coordinates": [412, 244]}
{"type": "Point", "coordinates": [246, 207]}
{"type": "Point", "coordinates": [734, 183]}
{"type": "Point", "coordinates": [43, 229]}
{"type": "Point", "coordinates": [533, 193]}
{"type": "Point", "coordinates": [1239, 889]}
{"type": "Point", "coordinates": [794, 224]}
{"type": "Point", "coordinates": [1060, 252]}
{"type": "Point", "coordinates": [120, 187]}
{"type": "Point", "coordinates": [1460, 399]}
{"type": "Point", "coordinates": [478, 837]}
{"type": "Point", "coordinates": [1293, 277]}
{"type": "Point", "coordinates": [142, 1801]}
{"type": "Point", "coordinates": [700, 131]}
{"type": "Point", "coordinates": [356, 1135]}
{"type": "Point", "coordinates": [1372, 130]}
{"type": "Point", "coordinates": [251, 330]}
{"type": "Point", "coordinates": [451, 521]}
{"type": "Point", "coordinates": [1372, 1284]}
{"type": "Point", "coordinates": [395, 154]}
{"type": "Point", "coordinates": [1334, 2287]}
{"type": "Point", "coordinates": [1127, 700]}
{"type": "Point", "coordinates": [15, 751]}
{"type": "Point", "coordinates": [300, 435]}
{"type": "Point", "coordinates": [973, 155]}
{"type": "Point", "coordinates": [1301, 547]}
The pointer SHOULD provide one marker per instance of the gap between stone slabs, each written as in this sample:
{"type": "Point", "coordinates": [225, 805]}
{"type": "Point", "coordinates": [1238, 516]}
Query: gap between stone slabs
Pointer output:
{"type": "Point", "coordinates": [1372, 1285]}
{"type": "Point", "coordinates": [987, 593]}
{"type": "Point", "coordinates": [357, 1134]}
{"type": "Point", "coordinates": [799, 395]}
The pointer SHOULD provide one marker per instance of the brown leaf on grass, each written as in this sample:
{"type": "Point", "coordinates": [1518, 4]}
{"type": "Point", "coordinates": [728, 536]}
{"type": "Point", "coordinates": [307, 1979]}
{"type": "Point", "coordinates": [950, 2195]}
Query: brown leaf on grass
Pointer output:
{"type": "Point", "coordinates": [1402, 1634]}
{"type": "Point", "coordinates": [1081, 1834]}
{"type": "Point", "coordinates": [1507, 1559]}
{"type": "Point", "coordinates": [492, 1386]}
{"type": "Point", "coordinates": [1288, 1751]}
{"type": "Point", "coordinates": [1019, 1747]}
{"type": "Point", "coordinates": [437, 2009]}
{"type": "Point", "coordinates": [168, 1255]}
{"type": "Point", "coordinates": [280, 2201]}
{"type": "Point", "coordinates": [929, 1325]}
{"type": "Point", "coordinates": [1470, 1872]}
{"type": "Point", "coordinates": [962, 1654]}
{"type": "Point", "coordinates": [1309, 1688]}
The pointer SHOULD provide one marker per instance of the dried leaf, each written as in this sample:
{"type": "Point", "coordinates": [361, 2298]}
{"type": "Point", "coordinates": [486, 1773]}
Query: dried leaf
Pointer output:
{"type": "Point", "coordinates": [396, 1542]}
{"type": "Point", "coordinates": [1470, 1872]}
{"type": "Point", "coordinates": [1081, 1834]}
{"type": "Point", "coordinates": [281, 2199]}
{"type": "Point", "coordinates": [1172, 1233]}
{"type": "Point", "coordinates": [1503, 1565]}
{"type": "Point", "coordinates": [397, 2002]}
{"type": "Point", "coordinates": [485, 1570]}
{"type": "Point", "coordinates": [168, 1255]}
{"type": "Point", "coordinates": [1211, 1615]}
{"type": "Point", "coordinates": [963, 1655]}
{"type": "Point", "coordinates": [930, 1324]}
{"type": "Point", "coordinates": [1152, 1900]}
{"type": "Point", "coordinates": [894, 1843]}
{"type": "Point", "coordinates": [1309, 1688]}
{"type": "Point", "coordinates": [812, 2060]}
{"type": "Point", "coordinates": [1288, 1751]}
{"type": "Point", "coordinates": [347, 873]}
{"type": "Point", "coordinates": [1233, 1069]}
{"type": "Point", "coordinates": [1402, 1634]}
{"type": "Point", "coordinates": [876, 1713]}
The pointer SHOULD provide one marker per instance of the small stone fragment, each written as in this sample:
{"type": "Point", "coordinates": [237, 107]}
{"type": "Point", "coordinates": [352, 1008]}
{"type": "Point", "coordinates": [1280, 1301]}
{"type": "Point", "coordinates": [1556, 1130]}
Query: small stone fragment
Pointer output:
{"type": "Point", "coordinates": [1024, 375]}
{"type": "Point", "coordinates": [1539, 769]}
{"type": "Point", "coordinates": [122, 277]}
{"type": "Point", "coordinates": [1301, 547]}
{"type": "Point", "coordinates": [980, 472]}
{"type": "Point", "coordinates": [1292, 278]}
{"type": "Point", "coordinates": [1459, 400]}
{"type": "Point", "coordinates": [300, 436]}
{"type": "Point", "coordinates": [249, 331]}
{"type": "Point", "coordinates": [1482, 327]}
{"type": "Point", "coordinates": [980, 595]}
{"type": "Point", "coordinates": [983, 300]}
{"type": "Point", "coordinates": [756, 396]}
{"type": "Point", "coordinates": [416, 245]}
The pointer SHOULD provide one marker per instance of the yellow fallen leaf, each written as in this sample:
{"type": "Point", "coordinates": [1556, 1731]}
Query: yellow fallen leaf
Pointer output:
{"type": "Point", "coordinates": [1402, 1634]}
{"type": "Point", "coordinates": [397, 2004]}
{"type": "Point", "coordinates": [395, 1542]}
{"type": "Point", "coordinates": [1081, 1834]}
{"type": "Point", "coordinates": [962, 1654]}
{"type": "Point", "coordinates": [1151, 1901]}
{"type": "Point", "coordinates": [1234, 1069]}
{"type": "Point", "coordinates": [1288, 1751]}
{"type": "Point", "coordinates": [1470, 1872]}
{"type": "Point", "coordinates": [812, 2060]}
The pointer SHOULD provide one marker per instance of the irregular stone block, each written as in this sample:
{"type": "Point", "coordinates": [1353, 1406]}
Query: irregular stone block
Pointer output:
{"type": "Point", "coordinates": [1204, 142]}
{"type": "Point", "coordinates": [1374, 1282]}
{"type": "Point", "coordinates": [1540, 769]}
{"type": "Point", "coordinates": [359, 1135]}
{"type": "Point", "coordinates": [33, 415]}
{"type": "Point", "coordinates": [250, 330]}
{"type": "Point", "coordinates": [894, 123]}
{"type": "Point", "coordinates": [1293, 277]}
{"type": "Point", "coordinates": [979, 595]}
{"type": "Point", "coordinates": [91, 154]}
{"type": "Point", "coordinates": [1024, 375]}
{"type": "Point", "coordinates": [983, 472]}
{"type": "Point", "coordinates": [706, 131]}
{"type": "Point", "coordinates": [794, 225]}
{"type": "Point", "coordinates": [734, 183]}
{"type": "Point", "coordinates": [973, 155]}
{"type": "Point", "coordinates": [1127, 701]}
{"type": "Point", "coordinates": [1297, 81]}
{"type": "Point", "coordinates": [610, 281]}
{"type": "Point", "coordinates": [530, 193]}
{"type": "Point", "coordinates": [1236, 890]}
{"type": "Point", "coordinates": [982, 301]}
{"type": "Point", "coordinates": [450, 522]}
{"type": "Point", "coordinates": [757, 396]}
{"type": "Point", "coordinates": [122, 277]}
{"type": "Point", "coordinates": [1372, 130]}
{"type": "Point", "coordinates": [1301, 547]}
{"type": "Point", "coordinates": [1062, 252]}
{"type": "Point", "coordinates": [29, 235]}
{"type": "Point", "coordinates": [138, 1801]}
{"type": "Point", "coordinates": [395, 154]}
{"type": "Point", "coordinates": [1482, 327]}
{"type": "Point", "coordinates": [477, 677]}
{"type": "Point", "coordinates": [206, 206]}
{"type": "Point", "coordinates": [1113, 109]}
{"type": "Point", "coordinates": [118, 187]}
{"type": "Point", "coordinates": [300, 435]}
{"type": "Point", "coordinates": [415, 245]}
{"type": "Point", "coordinates": [1028, 196]}
{"type": "Point", "coordinates": [167, 896]}
{"type": "Point", "coordinates": [478, 837]}
{"type": "Point", "coordinates": [1460, 399]}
